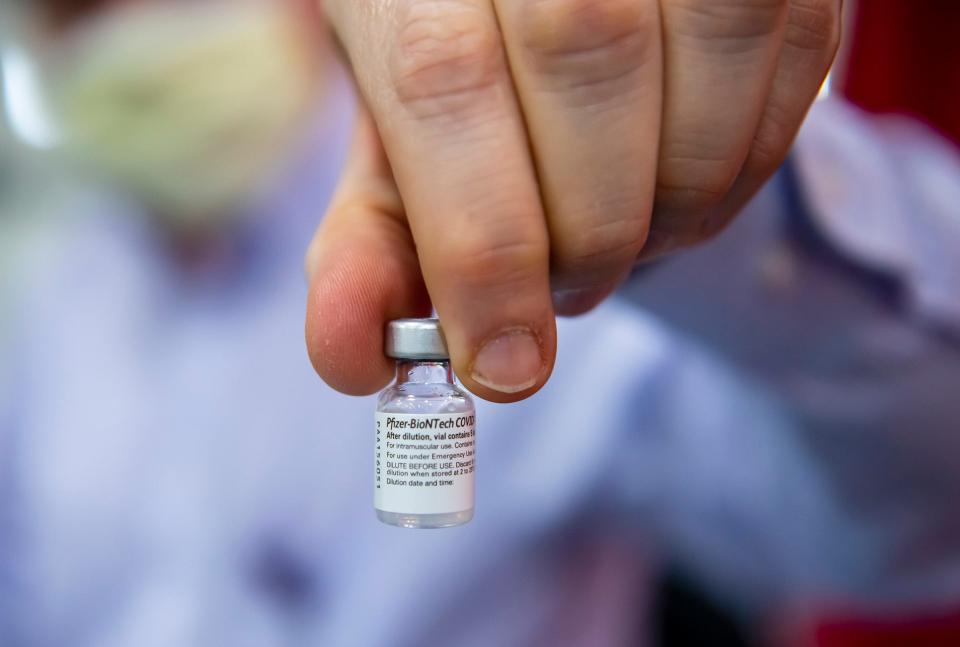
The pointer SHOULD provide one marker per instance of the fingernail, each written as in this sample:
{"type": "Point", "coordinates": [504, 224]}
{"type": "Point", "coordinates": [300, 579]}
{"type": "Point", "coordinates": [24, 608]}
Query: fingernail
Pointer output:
{"type": "Point", "coordinates": [658, 244]}
{"type": "Point", "coordinates": [576, 302]}
{"type": "Point", "coordinates": [510, 362]}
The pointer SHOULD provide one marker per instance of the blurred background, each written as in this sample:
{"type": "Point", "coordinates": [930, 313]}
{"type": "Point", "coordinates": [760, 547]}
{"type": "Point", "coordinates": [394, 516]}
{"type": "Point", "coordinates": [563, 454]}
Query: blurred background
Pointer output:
{"type": "Point", "coordinates": [770, 460]}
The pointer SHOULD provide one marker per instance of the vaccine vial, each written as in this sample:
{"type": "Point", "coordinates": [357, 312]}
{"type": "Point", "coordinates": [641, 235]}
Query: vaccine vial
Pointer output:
{"type": "Point", "coordinates": [425, 434]}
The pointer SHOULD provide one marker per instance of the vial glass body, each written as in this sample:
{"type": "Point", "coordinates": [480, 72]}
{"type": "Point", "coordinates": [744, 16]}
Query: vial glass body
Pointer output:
{"type": "Point", "coordinates": [425, 448]}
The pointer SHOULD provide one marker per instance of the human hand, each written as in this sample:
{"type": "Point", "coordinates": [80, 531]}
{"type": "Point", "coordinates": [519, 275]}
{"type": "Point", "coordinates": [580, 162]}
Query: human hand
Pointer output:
{"type": "Point", "coordinates": [515, 158]}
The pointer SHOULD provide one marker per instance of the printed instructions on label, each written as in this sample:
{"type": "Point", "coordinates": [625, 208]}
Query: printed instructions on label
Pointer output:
{"type": "Point", "coordinates": [425, 462]}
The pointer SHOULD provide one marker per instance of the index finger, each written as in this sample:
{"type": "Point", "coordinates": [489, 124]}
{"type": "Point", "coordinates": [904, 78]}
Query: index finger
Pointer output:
{"type": "Point", "coordinates": [436, 80]}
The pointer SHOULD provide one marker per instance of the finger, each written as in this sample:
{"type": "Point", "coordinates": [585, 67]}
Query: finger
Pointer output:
{"type": "Point", "coordinates": [720, 60]}
{"type": "Point", "coordinates": [363, 272]}
{"type": "Point", "coordinates": [810, 46]}
{"type": "Point", "coordinates": [436, 80]}
{"type": "Point", "coordinates": [589, 73]}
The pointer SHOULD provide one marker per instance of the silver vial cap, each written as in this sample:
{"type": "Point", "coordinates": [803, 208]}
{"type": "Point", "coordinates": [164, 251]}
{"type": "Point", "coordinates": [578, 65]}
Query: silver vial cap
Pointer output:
{"type": "Point", "coordinates": [416, 339]}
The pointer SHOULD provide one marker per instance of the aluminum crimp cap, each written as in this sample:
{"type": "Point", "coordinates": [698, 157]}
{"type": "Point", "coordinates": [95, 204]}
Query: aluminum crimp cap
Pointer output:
{"type": "Point", "coordinates": [416, 339]}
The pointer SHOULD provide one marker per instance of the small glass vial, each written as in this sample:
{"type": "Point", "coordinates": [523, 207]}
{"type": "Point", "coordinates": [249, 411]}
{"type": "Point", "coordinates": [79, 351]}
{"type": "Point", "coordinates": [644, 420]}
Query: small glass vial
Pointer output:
{"type": "Point", "coordinates": [425, 434]}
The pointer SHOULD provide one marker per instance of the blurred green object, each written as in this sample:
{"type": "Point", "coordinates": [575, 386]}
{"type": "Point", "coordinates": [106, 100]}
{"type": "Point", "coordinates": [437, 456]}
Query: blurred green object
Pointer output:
{"type": "Point", "coordinates": [188, 106]}
{"type": "Point", "coordinates": [191, 109]}
{"type": "Point", "coordinates": [34, 193]}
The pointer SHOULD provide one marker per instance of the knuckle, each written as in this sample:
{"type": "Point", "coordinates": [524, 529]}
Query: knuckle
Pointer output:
{"type": "Point", "coordinates": [814, 25]}
{"type": "Point", "coordinates": [588, 42]}
{"type": "Point", "coordinates": [448, 53]}
{"type": "Point", "coordinates": [769, 149]}
{"type": "Point", "coordinates": [482, 263]}
{"type": "Point", "coordinates": [772, 140]}
{"type": "Point", "coordinates": [736, 24]}
{"type": "Point", "coordinates": [694, 187]}
{"type": "Point", "coordinates": [599, 253]}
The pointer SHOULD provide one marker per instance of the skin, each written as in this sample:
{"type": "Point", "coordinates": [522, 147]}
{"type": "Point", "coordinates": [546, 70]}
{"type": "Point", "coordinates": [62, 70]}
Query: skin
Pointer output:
{"type": "Point", "coordinates": [191, 237]}
{"type": "Point", "coordinates": [514, 159]}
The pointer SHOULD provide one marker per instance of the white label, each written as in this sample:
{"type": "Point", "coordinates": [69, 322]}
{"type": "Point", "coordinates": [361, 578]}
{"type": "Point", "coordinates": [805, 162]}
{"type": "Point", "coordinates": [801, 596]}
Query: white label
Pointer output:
{"type": "Point", "coordinates": [424, 462]}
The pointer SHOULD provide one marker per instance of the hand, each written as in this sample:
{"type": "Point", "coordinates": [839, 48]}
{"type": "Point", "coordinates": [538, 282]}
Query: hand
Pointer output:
{"type": "Point", "coordinates": [515, 158]}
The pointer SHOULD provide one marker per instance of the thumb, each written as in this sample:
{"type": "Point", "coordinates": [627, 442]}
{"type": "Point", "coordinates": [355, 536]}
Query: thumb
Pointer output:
{"type": "Point", "coordinates": [363, 271]}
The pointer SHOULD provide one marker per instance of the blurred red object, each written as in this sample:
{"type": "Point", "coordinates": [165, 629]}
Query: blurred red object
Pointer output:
{"type": "Point", "coordinates": [905, 57]}
{"type": "Point", "coordinates": [927, 631]}
{"type": "Point", "coordinates": [851, 626]}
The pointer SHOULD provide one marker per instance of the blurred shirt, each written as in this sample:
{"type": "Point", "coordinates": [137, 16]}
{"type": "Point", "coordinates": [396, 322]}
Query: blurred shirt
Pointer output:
{"type": "Point", "coordinates": [839, 290]}
{"type": "Point", "coordinates": [173, 473]}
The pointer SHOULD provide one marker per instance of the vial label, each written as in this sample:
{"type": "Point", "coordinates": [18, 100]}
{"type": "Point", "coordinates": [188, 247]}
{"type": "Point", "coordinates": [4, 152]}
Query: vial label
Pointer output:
{"type": "Point", "coordinates": [425, 462]}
